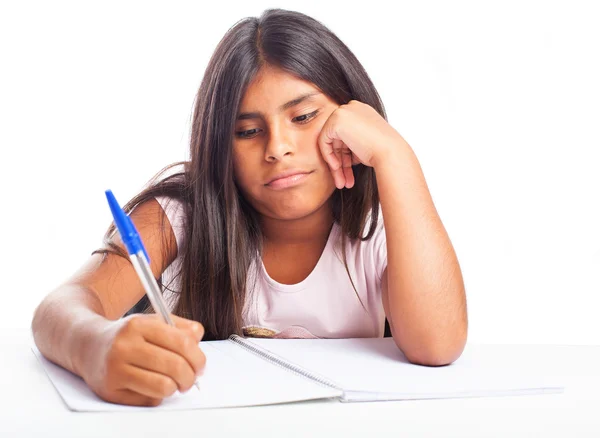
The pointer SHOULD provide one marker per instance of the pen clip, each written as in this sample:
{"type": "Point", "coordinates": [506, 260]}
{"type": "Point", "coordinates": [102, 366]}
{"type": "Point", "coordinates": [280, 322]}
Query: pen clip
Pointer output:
{"type": "Point", "coordinates": [129, 235]}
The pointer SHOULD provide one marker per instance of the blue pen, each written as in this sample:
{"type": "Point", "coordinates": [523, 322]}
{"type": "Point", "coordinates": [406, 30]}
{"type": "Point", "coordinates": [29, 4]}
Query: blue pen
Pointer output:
{"type": "Point", "coordinates": [139, 258]}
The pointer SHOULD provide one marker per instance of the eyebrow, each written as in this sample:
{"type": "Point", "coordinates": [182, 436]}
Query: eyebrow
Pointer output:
{"type": "Point", "coordinates": [298, 100]}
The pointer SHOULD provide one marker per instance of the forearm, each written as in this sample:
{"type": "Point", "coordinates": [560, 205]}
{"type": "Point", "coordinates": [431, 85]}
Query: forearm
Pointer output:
{"type": "Point", "coordinates": [64, 324]}
{"type": "Point", "coordinates": [426, 296]}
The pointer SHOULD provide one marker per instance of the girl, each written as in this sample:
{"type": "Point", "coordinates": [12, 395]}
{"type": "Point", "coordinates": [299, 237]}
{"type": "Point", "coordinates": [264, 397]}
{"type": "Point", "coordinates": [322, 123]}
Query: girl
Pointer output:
{"type": "Point", "coordinates": [301, 213]}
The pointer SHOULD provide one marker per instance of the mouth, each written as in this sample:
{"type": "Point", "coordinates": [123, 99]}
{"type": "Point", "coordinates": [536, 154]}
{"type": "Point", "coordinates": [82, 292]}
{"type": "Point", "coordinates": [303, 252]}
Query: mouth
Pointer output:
{"type": "Point", "coordinates": [289, 180]}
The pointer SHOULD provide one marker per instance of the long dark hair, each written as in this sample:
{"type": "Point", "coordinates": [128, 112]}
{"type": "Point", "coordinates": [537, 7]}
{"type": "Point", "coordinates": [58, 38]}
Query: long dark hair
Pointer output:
{"type": "Point", "coordinates": [222, 234]}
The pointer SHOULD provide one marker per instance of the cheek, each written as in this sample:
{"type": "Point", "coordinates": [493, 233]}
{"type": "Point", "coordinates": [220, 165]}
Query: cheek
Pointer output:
{"type": "Point", "coordinates": [242, 172]}
{"type": "Point", "coordinates": [238, 171]}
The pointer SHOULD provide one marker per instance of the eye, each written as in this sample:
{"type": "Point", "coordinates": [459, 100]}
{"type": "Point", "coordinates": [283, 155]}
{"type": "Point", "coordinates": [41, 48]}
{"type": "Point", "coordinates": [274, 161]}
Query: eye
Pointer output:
{"type": "Point", "coordinates": [245, 134]}
{"type": "Point", "coordinates": [304, 118]}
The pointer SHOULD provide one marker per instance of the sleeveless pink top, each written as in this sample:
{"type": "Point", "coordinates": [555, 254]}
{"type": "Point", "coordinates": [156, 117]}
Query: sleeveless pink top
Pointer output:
{"type": "Point", "coordinates": [323, 305]}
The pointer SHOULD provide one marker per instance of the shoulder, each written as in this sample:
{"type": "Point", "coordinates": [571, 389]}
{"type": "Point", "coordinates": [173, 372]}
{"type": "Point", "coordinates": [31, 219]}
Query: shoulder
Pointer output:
{"type": "Point", "coordinates": [369, 254]}
{"type": "Point", "coordinates": [376, 246]}
{"type": "Point", "coordinates": [176, 212]}
{"type": "Point", "coordinates": [173, 207]}
{"type": "Point", "coordinates": [378, 237]}
{"type": "Point", "coordinates": [379, 227]}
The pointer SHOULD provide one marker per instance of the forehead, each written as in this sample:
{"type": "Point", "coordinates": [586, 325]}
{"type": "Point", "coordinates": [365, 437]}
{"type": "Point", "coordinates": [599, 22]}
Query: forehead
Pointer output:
{"type": "Point", "coordinates": [271, 87]}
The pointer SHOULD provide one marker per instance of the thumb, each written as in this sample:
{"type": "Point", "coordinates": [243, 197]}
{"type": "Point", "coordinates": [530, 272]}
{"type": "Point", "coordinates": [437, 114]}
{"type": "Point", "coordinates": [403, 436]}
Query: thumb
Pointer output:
{"type": "Point", "coordinates": [193, 327]}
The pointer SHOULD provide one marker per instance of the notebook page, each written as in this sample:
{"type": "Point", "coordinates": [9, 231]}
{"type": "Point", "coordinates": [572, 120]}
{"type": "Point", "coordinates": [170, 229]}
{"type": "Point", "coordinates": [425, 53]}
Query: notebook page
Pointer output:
{"type": "Point", "coordinates": [232, 378]}
{"type": "Point", "coordinates": [375, 369]}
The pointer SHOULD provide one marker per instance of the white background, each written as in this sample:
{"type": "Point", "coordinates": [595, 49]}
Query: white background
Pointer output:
{"type": "Point", "coordinates": [499, 100]}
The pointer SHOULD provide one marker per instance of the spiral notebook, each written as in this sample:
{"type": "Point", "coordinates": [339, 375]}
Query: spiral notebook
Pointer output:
{"type": "Point", "coordinates": [250, 372]}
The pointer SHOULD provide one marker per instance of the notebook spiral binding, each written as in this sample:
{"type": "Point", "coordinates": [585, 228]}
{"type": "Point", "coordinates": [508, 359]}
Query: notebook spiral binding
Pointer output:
{"type": "Point", "coordinates": [282, 363]}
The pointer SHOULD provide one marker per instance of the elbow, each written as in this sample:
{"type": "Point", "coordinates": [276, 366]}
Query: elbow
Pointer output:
{"type": "Point", "coordinates": [435, 353]}
{"type": "Point", "coordinates": [433, 358]}
{"type": "Point", "coordinates": [41, 318]}
{"type": "Point", "coordinates": [37, 317]}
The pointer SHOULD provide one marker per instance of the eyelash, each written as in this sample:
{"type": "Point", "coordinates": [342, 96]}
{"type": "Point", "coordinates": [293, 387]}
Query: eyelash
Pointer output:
{"type": "Point", "coordinates": [309, 117]}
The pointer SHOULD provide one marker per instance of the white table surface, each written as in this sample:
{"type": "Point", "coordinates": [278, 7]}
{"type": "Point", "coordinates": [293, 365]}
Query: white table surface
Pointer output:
{"type": "Point", "coordinates": [30, 406]}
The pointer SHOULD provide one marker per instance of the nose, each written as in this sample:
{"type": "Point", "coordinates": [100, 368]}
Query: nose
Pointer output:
{"type": "Point", "coordinates": [279, 144]}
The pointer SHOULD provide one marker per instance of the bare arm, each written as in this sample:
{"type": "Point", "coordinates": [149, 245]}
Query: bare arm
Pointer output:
{"type": "Point", "coordinates": [423, 290]}
{"type": "Point", "coordinates": [103, 289]}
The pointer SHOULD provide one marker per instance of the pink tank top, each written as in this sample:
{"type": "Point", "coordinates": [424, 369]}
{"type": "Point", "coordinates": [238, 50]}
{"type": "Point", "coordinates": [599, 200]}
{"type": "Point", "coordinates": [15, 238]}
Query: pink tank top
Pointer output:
{"type": "Point", "coordinates": [323, 305]}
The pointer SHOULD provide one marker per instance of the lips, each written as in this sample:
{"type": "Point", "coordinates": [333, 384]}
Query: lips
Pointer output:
{"type": "Point", "coordinates": [287, 174]}
{"type": "Point", "coordinates": [288, 179]}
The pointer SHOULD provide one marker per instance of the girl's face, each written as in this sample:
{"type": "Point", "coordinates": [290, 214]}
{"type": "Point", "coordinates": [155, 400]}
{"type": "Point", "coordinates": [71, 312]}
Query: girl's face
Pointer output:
{"type": "Point", "coordinates": [276, 131]}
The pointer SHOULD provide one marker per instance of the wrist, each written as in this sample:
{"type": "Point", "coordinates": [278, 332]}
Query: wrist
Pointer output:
{"type": "Point", "coordinates": [395, 155]}
{"type": "Point", "coordinates": [86, 343]}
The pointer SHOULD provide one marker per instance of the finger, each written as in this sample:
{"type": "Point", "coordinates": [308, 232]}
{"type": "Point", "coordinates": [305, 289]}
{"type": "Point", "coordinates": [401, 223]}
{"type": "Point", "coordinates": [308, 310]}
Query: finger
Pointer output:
{"type": "Point", "coordinates": [158, 360]}
{"type": "Point", "coordinates": [177, 340]}
{"type": "Point", "coordinates": [129, 397]}
{"type": "Point", "coordinates": [338, 174]}
{"type": "Point", "coordinates": [148, 383]}
{"type": "Point", "coordinates": [329, 156]}
{"type": "Point", "coordinates": [325, 141]}
{"type": "Point", "coordinates": [347, 166]}
{"type": "Point", "coordinates": [194, 327]}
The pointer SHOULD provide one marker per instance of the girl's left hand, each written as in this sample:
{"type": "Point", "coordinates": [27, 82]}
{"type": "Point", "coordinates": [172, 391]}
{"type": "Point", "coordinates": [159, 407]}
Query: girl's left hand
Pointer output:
{"type": "Point", "coordinates": [354, 133]}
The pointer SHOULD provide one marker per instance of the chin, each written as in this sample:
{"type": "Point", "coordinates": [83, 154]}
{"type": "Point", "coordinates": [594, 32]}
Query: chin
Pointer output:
{"type": "Point", "coordinates": [292, 207]}
{"type": "Point", "coordinates": [291, 212]}
{"type": "Point", "coordinates": [295, 203]}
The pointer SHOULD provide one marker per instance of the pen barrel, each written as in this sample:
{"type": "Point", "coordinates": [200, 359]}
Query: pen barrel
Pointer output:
{"type": "Point", "coordinates": [150, 285]}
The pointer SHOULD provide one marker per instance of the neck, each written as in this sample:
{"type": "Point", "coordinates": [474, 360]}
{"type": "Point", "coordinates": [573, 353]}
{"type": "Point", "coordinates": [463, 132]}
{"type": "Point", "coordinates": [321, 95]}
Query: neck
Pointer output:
{"type": "Point", "coordinates": [310, 229]}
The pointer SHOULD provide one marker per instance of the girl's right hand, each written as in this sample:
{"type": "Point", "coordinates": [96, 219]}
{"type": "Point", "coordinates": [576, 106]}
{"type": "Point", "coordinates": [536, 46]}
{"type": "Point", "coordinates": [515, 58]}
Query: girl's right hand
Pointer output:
{"type": "Point", "coordinates": [139, 359]}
